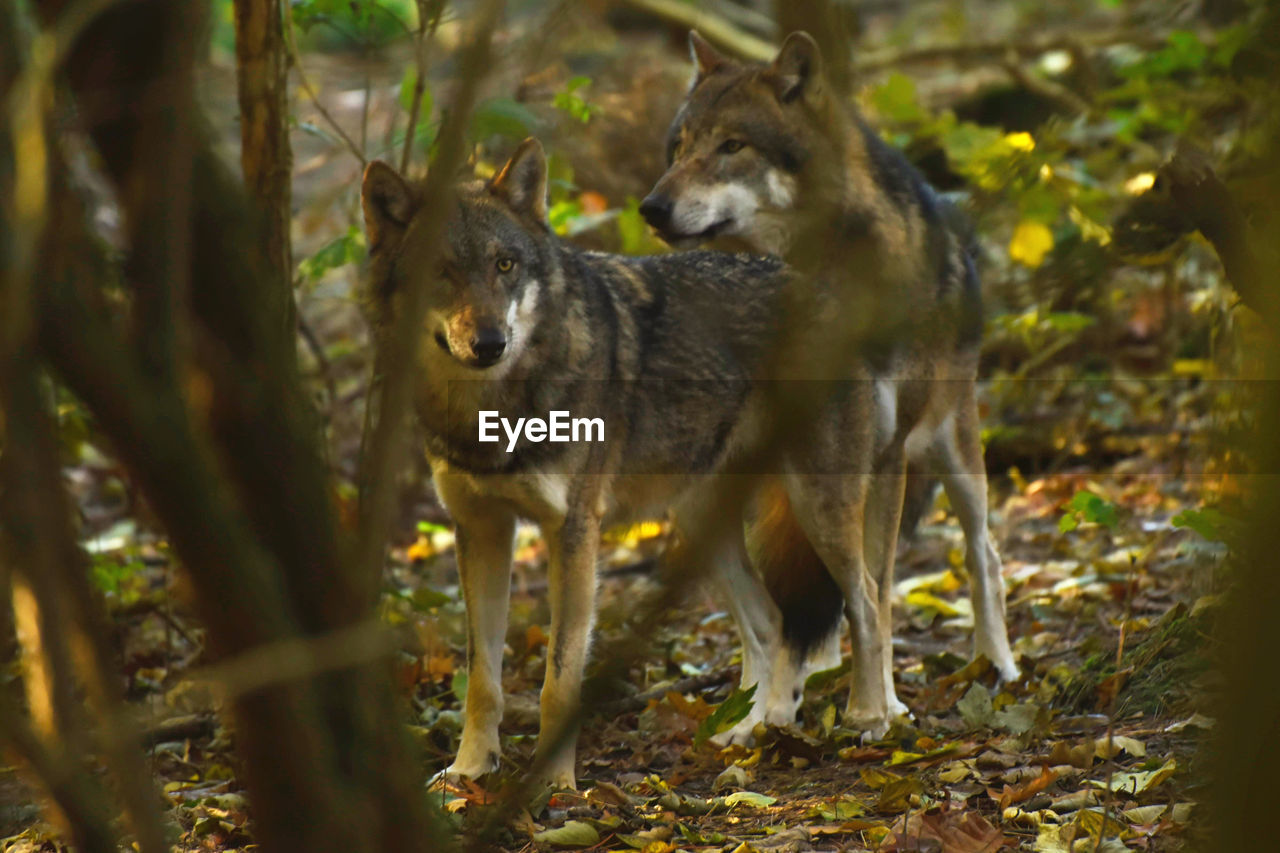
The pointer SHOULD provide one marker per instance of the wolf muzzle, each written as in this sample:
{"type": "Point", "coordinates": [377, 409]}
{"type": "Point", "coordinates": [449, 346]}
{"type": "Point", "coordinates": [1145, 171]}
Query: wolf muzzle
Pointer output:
{"type": "Point", "coordinates": [656, 210]}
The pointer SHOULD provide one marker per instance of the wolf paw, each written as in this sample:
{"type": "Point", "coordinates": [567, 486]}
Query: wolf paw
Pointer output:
{"type": "Point", "coordinates": [1008, 671]}
{"type": "Point", "coordinates": [461, 770]}
{"type": "Point", "coordinates": [1003, 663]}
{"type": "Point", "coordinates": [559, 776]}
{"type": "Point", "coordinates": [898, 708]}
{"type": "Point", "coordinates": [873, 726]}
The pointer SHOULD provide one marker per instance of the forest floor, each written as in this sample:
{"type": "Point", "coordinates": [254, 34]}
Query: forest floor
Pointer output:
{"type": "Point", "coordinates": [1096, 747]}
{"type": "Point", "coordinates": [1104, 728]}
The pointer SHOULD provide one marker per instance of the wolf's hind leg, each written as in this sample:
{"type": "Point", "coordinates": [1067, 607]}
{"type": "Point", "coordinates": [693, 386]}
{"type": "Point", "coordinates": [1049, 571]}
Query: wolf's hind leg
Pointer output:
{"type": "Point", "coordinates": [958, 455]}
{"type": "Point", "coordinates": [883, 517]}
{"type": "Point", "coordinates": [808, 600]}
{"type": "Point", "coordinates": [830, 509]}
{"type": "Point", "coordinates": [484, 543]}
{"type": "Point", "coordinates": [759, 626]}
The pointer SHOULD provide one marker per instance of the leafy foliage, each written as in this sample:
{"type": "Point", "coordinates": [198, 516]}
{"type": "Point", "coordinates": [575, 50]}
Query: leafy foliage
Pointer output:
{"type": "Point", "coordinates": [569, 100]}
{"type": "Point", "coordinates": [1085, 507]}
{"type": "Point", "coordinates": [727, 714]}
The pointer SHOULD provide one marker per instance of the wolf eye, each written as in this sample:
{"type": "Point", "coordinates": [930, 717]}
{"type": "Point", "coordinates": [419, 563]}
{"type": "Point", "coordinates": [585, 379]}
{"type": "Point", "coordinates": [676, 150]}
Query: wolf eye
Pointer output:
{"type": "Point", "coordinates": [731, 146]}
{"type": "Point", "coordinates": [505, 265]}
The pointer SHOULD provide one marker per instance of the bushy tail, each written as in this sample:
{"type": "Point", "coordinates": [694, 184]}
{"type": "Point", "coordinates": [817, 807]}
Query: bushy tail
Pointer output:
{"type": "Point", "coordinates": [799, 583]}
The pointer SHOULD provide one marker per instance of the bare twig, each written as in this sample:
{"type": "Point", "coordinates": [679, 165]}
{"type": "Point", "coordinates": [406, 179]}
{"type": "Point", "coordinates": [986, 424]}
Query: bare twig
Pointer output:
{"type": "Point", "coordinates": [385, 446]}
{"type": "Point", "coordinates": [1072, 103]}
{"type": "Point", "coordinates": [296, 59]}
{"type": "Point", "coordinates": [715, 28]}
{"type": "Point", "coordinates": [743, 44]}
{"type": "Point", "coordinates": [693, 684]}
{"type": "Point", "coordinates": [189, 727]}
{"type": "Point", "coordinates": [429, 12]}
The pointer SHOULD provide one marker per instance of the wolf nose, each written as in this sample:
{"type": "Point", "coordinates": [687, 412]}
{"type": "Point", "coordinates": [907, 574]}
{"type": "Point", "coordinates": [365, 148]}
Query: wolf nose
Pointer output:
{"type": "Point", "coordinates": [488, 345]}
{"type": "Point", "coordinates": [656, 210]}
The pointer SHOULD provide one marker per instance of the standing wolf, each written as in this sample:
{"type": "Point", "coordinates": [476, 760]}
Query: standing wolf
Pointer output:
{"type": "Point", "coordinates": [766, 157]}
{"type": "Point", "coordinates": [664, 351]}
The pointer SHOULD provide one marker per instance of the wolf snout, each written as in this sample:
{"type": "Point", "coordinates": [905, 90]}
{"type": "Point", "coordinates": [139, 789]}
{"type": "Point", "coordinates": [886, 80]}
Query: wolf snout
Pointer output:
{"type": "Point", "coordinates": [656, 210]}
{"type": "Point", "coordinates": [488, 344]}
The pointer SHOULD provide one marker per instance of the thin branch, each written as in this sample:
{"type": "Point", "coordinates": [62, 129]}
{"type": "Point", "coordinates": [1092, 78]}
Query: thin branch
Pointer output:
{"type": "Point", "coordinates": [743, 44]}
{"type": "Point", "coordinates": [716, 29]}
{"type": "Point", "coordinates": [77, 795]}
{"type": "Point", "coordinates": [385, 436]}
{"type": "Point", "coordinates": [1070, 102]}
{"type": "Point", "coordinates": [429, 12]}
{"type": "Point", "coordinates": [296, 59]}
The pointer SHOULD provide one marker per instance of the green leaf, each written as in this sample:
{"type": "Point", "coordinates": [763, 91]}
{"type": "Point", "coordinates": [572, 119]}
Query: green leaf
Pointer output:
{"type": "Point", "coordinates": [349, 248]}
{"type": "Point", "coordinates": [750, 798]}
{"type": "Point", "coordinates": [503, 117]}
{"type": "Point", "coordinates": [896, 100]}
{"type": "Point", "coordinates": [458, 685]}
{"type": "Point", "coordinates": [1017, 719]}
{"type": "Point", "coordinates": [574, 833]}
{"type": "Point", "coordinates": [574, 104]}
{"type": "Point", "coordinates": [562, 213]}
{"type": "Point", "coordinates": [975, 707]}
{"type": "Point", "coordinates": [429, 527]}
{"type": "Point", "coordinates": [727, 714]}
{"type": "Point", "coordinates": [1211, 523]}
{"type": "Point", "coordinates": [1092, 509]}
{"type": "Point", "coordinates": [425, 598]}
{"type": "Point", "coordinates": [407, 84]}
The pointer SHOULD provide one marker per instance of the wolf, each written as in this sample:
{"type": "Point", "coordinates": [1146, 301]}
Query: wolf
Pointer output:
{"type": "Point", "coordinates": [767, 158]}
{"type": "Point", "coordinates": [664, 351]}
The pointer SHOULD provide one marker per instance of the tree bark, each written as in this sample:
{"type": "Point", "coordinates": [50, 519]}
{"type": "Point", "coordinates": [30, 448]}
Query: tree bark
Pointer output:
{"type": "Point", "coordinates": [832, 24]}
{"type": "Point", "coordinates": [201, 399]}
{"type": "Point", "coordinates": [262, 77]}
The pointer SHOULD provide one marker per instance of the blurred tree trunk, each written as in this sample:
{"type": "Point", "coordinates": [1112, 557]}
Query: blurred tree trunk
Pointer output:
{"type": "Point", "coordinates": [832, 24]}
{"type": "Point", "coordinates": [262, 76]}
{"type": "Point", "coordinates": [1244, 749]}
{"type": "Point", "coordinates": [199, 395]}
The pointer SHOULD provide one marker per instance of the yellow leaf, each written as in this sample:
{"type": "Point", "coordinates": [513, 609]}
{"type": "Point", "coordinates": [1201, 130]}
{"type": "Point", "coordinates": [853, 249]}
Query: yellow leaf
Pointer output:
{"type": "Point", "coordinates": [926, 600]}
{"type": "Point", "coordinates": [1020, 141]}
{"type": "Point", "coordinates": [1140, 183]}
{"type": "Point", "coordinates": [419, 550]}
{"type": "Point", "coordinates": [1031, 242]}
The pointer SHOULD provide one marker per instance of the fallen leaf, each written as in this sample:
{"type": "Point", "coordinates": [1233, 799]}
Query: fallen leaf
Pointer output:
{"type": "Point", "coordinates": [750, 798]}
{"type": "Point", "coordinates": [1081, 755]}
{"type": "Point", "coordinates": [1119, 744]}
{"type": "Point", "coordinates": [896, 795]}
{"type": "Point", "coordinates": [951, 831]}
{"type": "Point", "coordinates": [975, 707]}
{"type": "Point", "coordinates": [1011, 795]}
{"type": "Point", "coordinates": [574, 833]}
{"type": "Point", "coordinates": [1140, 781]}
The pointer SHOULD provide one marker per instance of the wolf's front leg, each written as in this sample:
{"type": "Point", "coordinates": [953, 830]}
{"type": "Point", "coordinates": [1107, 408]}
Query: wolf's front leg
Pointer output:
{"type": "Point", "coordinates": [572, 577]}
{"type": "Point", "coordinates": [484, 543]}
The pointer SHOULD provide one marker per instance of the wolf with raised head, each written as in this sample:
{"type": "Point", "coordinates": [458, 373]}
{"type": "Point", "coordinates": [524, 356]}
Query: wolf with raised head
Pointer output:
{"type": "Point", "coordinates": [665, 352]}
{"type": "Point", "coordinates": [766, 157]}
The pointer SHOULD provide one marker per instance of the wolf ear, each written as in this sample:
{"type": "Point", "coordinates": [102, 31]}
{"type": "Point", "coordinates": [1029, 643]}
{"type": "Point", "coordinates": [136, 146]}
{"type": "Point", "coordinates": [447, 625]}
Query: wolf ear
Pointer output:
{"type": "Point", "coordinates": [705, 57]}
{"type": "Point", "coordinates": [797, 69]}
{"type": "Point", "coordinates": [523, 181]}
{"type": "Point", "coordinates": [387, 202]}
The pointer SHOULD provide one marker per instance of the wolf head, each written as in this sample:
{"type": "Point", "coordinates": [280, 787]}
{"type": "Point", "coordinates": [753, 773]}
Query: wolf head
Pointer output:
{"type": "Point", "coordinates": [739, 148]}
{"type": "Point", "coordinates": [497, 260]}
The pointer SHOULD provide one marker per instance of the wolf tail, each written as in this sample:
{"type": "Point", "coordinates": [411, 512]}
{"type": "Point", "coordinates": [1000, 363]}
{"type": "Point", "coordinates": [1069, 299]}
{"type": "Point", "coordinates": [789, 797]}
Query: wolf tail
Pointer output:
{"type": "Point", "coordinates": [810, 601]}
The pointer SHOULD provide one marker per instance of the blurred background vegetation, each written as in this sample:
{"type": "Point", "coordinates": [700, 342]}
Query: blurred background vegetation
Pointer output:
{"type": "Point", "coordinates": [1116, 358]}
